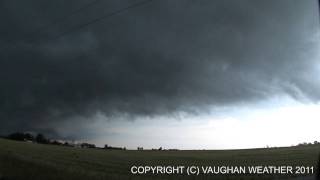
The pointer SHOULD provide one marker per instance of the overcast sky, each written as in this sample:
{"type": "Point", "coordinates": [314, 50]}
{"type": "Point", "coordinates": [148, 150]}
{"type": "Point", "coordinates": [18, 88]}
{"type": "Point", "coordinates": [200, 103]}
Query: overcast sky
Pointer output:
{"type": "Point", "coordinates": [178, 74]}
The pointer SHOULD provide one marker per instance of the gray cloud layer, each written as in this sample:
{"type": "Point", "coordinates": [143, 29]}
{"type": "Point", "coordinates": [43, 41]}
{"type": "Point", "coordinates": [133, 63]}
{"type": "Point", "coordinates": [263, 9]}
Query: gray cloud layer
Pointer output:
{"type": "Point", "coordinates": [157, 59]}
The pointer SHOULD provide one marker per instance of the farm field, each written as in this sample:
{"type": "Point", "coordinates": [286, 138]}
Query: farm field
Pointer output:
{"type": "Point", "coordinates": [22, 160]}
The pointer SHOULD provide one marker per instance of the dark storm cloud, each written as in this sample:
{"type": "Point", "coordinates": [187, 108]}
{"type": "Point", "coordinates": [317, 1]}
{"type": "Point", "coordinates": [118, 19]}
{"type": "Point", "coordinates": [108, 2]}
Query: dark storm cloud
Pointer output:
{"type": "Point", "coordinates": [157, 59]}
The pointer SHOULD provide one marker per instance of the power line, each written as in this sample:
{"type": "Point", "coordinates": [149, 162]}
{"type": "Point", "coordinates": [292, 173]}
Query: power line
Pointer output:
{"type": "Point", "coordinates": [319, 8]}
{"type": "Point", "coordinates": [108, 15]}
{"type": "Point", "coordinates": [64, 18]}
{"type": "Point", "coordinates": [81, 26]}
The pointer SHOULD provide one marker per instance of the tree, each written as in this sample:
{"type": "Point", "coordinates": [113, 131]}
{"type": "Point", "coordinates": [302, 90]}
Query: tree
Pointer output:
{"type": "Point", "coordinates": [16, 136]}
{"type": "Point", "coordinates": [87, 145]}
{"type": "Point", "coordinates": [41, 139]}
{"type": "Point", "coordinates": [28, 137]}
{"type": "Point", "coordinates": [55, 142]}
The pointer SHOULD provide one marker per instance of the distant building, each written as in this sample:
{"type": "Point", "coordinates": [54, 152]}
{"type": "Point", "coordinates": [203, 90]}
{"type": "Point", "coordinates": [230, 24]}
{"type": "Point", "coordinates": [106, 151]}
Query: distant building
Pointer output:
{"type": "Point", "coordinates": [87, 145]}
{"type": "Point", "coordinates": [113, 148]}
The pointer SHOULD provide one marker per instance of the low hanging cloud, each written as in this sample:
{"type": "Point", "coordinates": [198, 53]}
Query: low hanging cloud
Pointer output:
{"type": "Point", "coordinates": [161, 58]}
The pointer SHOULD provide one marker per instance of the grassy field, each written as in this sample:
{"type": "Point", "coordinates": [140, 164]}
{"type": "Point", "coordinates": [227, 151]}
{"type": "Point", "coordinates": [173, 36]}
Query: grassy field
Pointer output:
{"type": "Point", "coordinates": [22, 160]}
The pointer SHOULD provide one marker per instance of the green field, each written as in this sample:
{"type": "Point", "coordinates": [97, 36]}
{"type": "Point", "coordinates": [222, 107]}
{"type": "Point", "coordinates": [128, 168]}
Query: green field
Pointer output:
{"type": "Point", "coordinates": [22, 160]}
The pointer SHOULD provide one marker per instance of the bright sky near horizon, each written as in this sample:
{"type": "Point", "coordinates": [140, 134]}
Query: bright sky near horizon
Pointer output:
{"type": "Point", "coordinates": [278, 122]}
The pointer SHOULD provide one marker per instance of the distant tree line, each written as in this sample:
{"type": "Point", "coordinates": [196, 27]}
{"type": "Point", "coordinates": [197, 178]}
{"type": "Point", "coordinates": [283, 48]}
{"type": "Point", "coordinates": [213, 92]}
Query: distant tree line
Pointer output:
{"type": "Point", "coordinates": [300, 144]}
{"type": "Point", "coordinates": [115, 148]}
{"type": "Point", "coordinates": [307, 144]}
{"type": "Point", "coordinates": [41, 139]}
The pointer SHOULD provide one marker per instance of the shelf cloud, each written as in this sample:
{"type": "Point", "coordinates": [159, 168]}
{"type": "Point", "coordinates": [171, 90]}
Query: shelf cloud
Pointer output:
{"type": "Point", "coordinates": [158, 59]}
